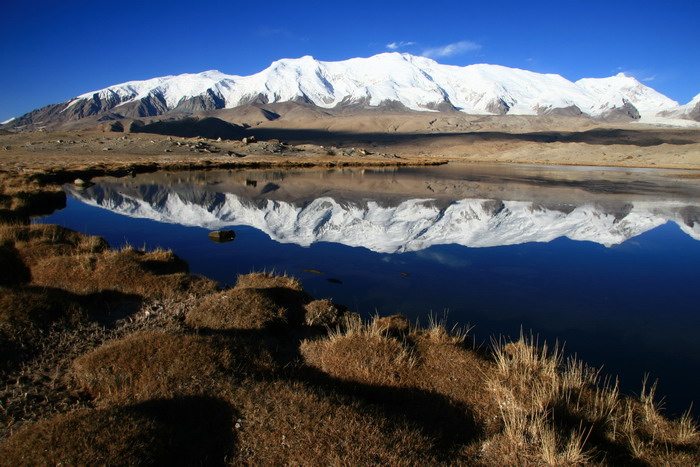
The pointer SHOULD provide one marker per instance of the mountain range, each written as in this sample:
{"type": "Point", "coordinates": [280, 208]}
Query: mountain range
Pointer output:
{"type": "Point", "coordinates": [390, 81]}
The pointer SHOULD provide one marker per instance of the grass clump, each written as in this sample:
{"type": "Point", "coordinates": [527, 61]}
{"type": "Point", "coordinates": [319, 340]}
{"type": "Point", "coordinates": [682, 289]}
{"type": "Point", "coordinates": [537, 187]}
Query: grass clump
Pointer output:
{"type": "Point", "coordinates": [237, 309]}
{"type": "Point", "coordinates": [187, 431]}
{"type": "Point", "coordinates": [297, 423]}
{"type": "Point", "coordinates": [154, 274]}
{"type": "Point", "coordinates": [266, 280]}
{"type": "Point", "coordinates": [35, 309]}
{"type": "Point", "coordinates": [87, 437]}
{"type": "Point", "coordinates": [150, 365]}
{"type": "Point", "coordinates": [325, 313]}
{"type": "Point", "coordinates": [361, 353]}
{"type": "Point", "coordinates": [62, 258]}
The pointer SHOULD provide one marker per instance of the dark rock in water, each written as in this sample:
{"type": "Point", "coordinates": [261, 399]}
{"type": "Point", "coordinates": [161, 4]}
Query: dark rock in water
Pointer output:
{"type": "Point", "coordinates": [221, 236]}
{"type": "Point", "coordinates": [334, 281]}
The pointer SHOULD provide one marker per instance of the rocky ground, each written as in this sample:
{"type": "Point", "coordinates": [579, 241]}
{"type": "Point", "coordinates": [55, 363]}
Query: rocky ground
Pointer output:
{"type": "Point", "coordinates": [375, 140]}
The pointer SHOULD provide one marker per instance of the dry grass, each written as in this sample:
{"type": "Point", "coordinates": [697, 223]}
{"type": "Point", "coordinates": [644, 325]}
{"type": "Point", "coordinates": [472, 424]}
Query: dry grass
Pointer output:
{"type": "Point", "coordinates": [34, 309]}
{"type": "Point", "coordinates": [291, 423]}
{"type": "Point", "coordinates": [324, 313]}
{"type": "Point", "coordinates": [148, 274]}
{"type": "Point", "coordinates": [387, 351]}
{"type": "Point", "coordinates": [265, 280]}
{"type": "Point", "coordinates": [82, 264]}
{"type": "Point", "coordinates": [87, 437]}
{"type": "Point", "coordinates": [237, 309]}
{"type": "Point", "coordinates": [189, 431]}
{"type": "Point", "coordinates": [151, 365]}
{"type": "Point", "coordinates": [361, 355]}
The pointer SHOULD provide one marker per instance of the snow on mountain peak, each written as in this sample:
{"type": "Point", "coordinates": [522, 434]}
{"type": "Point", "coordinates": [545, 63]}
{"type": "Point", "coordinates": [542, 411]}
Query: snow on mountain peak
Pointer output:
{"type": "Point", "coordinates": [418, 83]}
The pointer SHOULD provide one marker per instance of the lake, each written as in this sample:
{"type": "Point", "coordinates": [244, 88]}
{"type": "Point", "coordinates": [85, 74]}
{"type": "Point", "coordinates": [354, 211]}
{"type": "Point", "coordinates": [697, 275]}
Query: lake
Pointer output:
{"type": "Point", "coordinates": [604, 260]}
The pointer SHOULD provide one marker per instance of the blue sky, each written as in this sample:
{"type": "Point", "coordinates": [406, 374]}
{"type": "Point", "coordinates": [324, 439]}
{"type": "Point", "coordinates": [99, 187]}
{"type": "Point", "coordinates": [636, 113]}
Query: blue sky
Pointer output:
{"type": "Point", "coordinates": [52, 51]}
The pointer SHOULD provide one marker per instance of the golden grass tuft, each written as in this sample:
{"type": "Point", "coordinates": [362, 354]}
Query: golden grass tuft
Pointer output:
{"type": "Point", "coordinates": [395, 325]}
{"type": "Point", "coordinates": [237, 309]}
{"type": "Point", "coordinates": [150, 365]}
{"type": "Point", "coordinates": [265, 280]}
{"type": "Point", "coordinates": [362, 353]}
{"type": "Point", "coordinates": [82, 264]}
{"type": "Point", "coordinates": [148, 274]}
{"type": "Point", "coordinates": [36, 241]}
{"type": "Point", "coordinates": [323, 313]}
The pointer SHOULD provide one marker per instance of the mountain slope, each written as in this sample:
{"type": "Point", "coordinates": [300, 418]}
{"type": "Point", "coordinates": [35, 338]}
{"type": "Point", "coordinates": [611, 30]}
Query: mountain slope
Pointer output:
{"type": "Point", "coordinates": [396, 80]}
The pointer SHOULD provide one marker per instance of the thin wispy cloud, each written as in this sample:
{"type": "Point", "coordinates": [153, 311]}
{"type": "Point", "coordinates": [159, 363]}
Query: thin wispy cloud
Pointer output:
{"type": "Point", "coordinates": [448, 50]}
{"type": "Point", "coordinates": [399, 45]}
{"type": "Point", "coordinates": [644, 76]}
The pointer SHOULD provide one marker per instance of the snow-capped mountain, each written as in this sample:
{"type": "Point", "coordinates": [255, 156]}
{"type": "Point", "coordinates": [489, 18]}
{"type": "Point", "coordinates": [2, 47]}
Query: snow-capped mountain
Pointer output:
{"type": "Point", "coordinates": [689, 111]}
{"type": "Point", "coordinates": [416, 83]}
{"type": "Point", "coordinates": [408, 225]}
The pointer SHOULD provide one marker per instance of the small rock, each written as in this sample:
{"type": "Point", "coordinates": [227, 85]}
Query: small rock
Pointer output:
{"type": "Point", "coordinates": [221, 236]}
{"type": "Point", "coordinates": [80, 183]}
{"type": "Point", "coordinates": [218, 139]}
{"type": "Point", "coordinates": [107, 149]}
{"type": "Point", "coordinates": [249, 140]}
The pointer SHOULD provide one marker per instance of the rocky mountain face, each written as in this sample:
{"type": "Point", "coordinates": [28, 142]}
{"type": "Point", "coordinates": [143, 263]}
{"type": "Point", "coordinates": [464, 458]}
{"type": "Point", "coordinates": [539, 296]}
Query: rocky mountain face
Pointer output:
{"type": "Point", "coordinates": [397, 82]}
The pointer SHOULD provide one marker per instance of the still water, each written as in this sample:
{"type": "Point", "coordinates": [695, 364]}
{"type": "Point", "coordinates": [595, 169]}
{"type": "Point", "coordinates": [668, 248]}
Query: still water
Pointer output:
{"type": "Point", "coordinates": [604, 260]}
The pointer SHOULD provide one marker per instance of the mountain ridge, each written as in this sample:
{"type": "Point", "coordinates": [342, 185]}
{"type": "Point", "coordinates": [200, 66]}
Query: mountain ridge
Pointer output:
{"type": "Point", "coordinates": [392, 80]}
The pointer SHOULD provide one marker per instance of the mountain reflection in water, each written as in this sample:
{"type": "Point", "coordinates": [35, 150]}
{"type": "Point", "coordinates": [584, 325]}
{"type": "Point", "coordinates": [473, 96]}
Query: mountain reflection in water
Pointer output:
{"type": "Point", "coordinates": [393, 212]}
{"type": "Point", "coordinates": [604, 260]}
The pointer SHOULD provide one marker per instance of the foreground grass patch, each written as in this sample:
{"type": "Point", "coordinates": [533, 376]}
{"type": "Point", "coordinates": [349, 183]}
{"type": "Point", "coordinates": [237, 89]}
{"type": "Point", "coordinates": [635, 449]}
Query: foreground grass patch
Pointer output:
{"type": "Point", "coordinates": [186, 431]}
{"type": "Point", "coordinates": [150, 365]}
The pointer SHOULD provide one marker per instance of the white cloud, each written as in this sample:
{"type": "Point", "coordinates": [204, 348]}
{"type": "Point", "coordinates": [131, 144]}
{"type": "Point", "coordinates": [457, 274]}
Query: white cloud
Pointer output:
{"type": "Point", "coordinates": [398, 45]}
{"type": "Point", "coordinates": [451, 49]}
{"type": "Point", "coordinates": [649, 78]}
